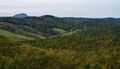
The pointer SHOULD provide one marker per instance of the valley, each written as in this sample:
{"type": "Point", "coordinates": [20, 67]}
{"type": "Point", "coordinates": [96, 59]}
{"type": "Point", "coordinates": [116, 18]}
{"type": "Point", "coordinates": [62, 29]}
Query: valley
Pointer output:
{"type": "Point", "coordinates": [50, 42]}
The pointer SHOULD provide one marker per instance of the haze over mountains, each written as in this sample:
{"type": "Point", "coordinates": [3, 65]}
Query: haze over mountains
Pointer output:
{"type": "Point", "coordinates": [22, 15]}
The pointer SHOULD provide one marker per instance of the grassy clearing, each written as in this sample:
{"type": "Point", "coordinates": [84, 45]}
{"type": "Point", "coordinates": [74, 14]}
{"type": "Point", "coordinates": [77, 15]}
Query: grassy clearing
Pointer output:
{"type": "Point", "coordinates": [61, 31]}
{"type": "Point", "coordinates": [1, 22]}
{"type": "Point", "coordinates": [13, 36]}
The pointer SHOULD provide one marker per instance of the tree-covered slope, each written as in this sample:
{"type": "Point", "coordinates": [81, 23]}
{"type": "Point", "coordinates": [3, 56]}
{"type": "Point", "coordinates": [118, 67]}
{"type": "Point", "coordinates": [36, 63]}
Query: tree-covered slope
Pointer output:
{"type": "Point", "coordinates": [10, 30]}
{"type": "Point", "coordinates": [63, 52]}
{"type": "Point", "coordinates": [44, 25]}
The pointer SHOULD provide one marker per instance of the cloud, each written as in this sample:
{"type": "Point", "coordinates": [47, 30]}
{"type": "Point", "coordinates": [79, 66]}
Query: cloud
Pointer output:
{"type": "Point", "coordinates": [5, 0]}
{"type": "Point", "coordinates": [89, 8]}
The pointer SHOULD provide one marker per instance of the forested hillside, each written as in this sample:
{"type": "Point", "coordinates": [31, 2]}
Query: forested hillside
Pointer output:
{"type": "Point", "coordinates": [50, 42]}
{"type": "Point", "coordinates": [45, 25]}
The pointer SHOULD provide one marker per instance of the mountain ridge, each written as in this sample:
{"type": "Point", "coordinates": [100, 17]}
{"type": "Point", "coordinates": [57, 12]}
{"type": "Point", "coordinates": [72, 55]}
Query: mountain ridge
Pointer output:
{"type": "Point", "coordinates": [20, 15]}
{"type": "Point", "coordinates": [48, 25]}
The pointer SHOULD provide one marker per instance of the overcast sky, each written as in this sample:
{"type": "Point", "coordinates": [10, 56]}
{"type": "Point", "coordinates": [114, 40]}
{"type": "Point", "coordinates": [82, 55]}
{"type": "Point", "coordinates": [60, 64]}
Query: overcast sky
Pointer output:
{"type": "Point", "coordinates": [62, 8]}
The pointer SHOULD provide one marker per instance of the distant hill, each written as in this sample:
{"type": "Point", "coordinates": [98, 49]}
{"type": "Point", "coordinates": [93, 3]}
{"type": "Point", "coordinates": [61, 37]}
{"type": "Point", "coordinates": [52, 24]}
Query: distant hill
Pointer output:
{"type": "Point", "coordinates": [48, 25]}
{"type": "Point", "coordinates": [21, 15]}
{"type": "Point", "coordinates": [75, 19]}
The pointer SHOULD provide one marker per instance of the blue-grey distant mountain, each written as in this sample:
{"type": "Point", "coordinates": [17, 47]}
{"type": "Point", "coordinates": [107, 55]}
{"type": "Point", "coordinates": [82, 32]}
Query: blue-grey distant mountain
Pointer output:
{"type": "Point", "coordinates": [21, 15]}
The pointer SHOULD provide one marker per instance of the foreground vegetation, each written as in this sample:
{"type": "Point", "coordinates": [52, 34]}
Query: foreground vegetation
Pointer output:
{"type": "Point", "coordinates": [63, 52]}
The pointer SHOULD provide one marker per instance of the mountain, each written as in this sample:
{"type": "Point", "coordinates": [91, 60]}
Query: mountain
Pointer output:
{"type": "Point", "coordinates": [43, 24]}
{"type": "Point", "coordinates": [21, 15]}
{"type": "Point", "coordinates": [48, 25]}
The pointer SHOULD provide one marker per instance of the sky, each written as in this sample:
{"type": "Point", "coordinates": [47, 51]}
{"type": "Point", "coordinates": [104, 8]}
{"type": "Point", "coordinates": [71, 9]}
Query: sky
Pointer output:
{"type": "Point", "coordinates": [62, 8]}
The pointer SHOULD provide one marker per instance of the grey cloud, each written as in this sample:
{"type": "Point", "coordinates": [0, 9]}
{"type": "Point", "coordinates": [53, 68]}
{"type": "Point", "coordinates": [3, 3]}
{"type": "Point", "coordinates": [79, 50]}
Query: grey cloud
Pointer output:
{"type": "Point", "coordinates": [85, 8]}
